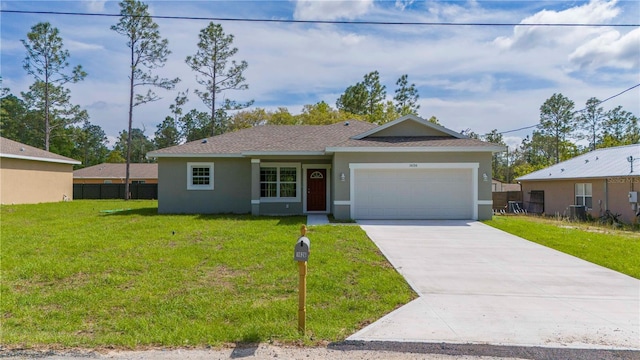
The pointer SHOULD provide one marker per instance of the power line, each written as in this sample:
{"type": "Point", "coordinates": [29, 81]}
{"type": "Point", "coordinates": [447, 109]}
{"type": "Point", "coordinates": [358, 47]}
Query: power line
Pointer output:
{"type": "Point", "coordinates": [616, 95]}
{"type": "Point", "coordinates": [344, 22]}
{"type": "Point", "coordinates": [577, 111]}
{"type": "Point", "coordinates": [337, 22]}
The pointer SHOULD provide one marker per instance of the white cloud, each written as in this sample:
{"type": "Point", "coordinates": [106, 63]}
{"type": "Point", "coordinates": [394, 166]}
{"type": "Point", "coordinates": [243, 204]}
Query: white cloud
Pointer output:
{"type": "Point", "coordinates": [12, 45]}
{"type": "Point", "coordinates": [73, 45]}
{"type": "Point", "coordinates": [532, 37]}
{"type": "Point", "coordinates": [94, 5]}
{"type": "Point", "coordinates": [482, 85]}
{"type": "Point", "coordinates": [352, 39]}
{"type": "Point", "coordinates": [455, 12]}
{"type": "Point", "coordinates": [513, 142]}
{"type": "Point", "coordinates": [403, 4]}
{"type": "Point", "coordinates": [609, 49]}
{"type": "Point", "coordinates": [331, 9]}
{"type": "Point", "coordinates": [464, 78]}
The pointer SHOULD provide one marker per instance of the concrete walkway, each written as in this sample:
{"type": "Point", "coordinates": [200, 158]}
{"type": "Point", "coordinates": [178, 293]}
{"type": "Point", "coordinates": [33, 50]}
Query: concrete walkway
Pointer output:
{"type": "Point", "coordinates": [480, 285]}
{"type": "Point", "coordinates": [317, 219]}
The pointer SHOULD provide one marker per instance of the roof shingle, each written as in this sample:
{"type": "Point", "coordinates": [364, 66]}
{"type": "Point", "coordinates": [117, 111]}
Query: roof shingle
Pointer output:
{"type": "Point", "coordinates": [117, 171]}
{"type": "Point", "coordinates": [17, 150]}
{"type": "Point", "coordinates": [316, 139]}
{"type": "Point", "coordinates": [272, 138]}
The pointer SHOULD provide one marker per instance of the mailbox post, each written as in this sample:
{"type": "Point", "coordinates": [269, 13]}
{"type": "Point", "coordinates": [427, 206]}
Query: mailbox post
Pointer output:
{"type": "Point", "coordinates": [301, 255]}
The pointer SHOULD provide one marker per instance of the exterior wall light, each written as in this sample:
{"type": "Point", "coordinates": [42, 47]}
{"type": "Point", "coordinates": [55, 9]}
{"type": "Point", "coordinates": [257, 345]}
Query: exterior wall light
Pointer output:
{"type": "Point", "coordinates": [342, 177]}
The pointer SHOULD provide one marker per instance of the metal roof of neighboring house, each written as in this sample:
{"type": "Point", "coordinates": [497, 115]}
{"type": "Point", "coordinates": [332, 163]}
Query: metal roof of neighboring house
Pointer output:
{"type": "Point", "coordinates": [601, 163]}
{"type": "Point", "coordinates": [16, 150]}
{"type": "Point", "coordinates": [117, 171]}
{"type": "Point", "coordinates": [318, 140]}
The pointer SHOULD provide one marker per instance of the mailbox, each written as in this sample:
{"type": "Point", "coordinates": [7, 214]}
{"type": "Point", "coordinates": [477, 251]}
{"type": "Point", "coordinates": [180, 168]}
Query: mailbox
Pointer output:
{"type": "Point", "coordinates": [301, 250]}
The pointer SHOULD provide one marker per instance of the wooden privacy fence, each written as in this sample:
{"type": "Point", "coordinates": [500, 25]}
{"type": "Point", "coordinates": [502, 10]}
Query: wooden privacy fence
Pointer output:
{"type": "Point", "coordinates": [114, 191]}
{"type": "Point", "coordinates": [502, 198]}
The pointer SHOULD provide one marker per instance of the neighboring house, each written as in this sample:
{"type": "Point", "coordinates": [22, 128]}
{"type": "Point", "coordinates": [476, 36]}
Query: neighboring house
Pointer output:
{"type": "Point", "coordinates": [29, 175]}
{"type": "Point", "coordinates": [116, 174]}
{"type": "Point", "coordinates": [600, 180]}
{"type": "Point", "coordinates": [499, 186]}
{"type": "Point", "coordinates": [405, 169]}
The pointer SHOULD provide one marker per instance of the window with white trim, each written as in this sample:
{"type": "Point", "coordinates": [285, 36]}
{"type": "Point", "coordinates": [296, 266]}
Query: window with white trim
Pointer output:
{"type": "Point", "coordinates": [199, 176]}
{"type": "Point", "coordinates": [584, 195]}
{"type": "Point", "coordinates": [279, 181]}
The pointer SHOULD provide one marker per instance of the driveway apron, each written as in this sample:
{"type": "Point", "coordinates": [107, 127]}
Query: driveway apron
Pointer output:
{"type": "Point", "coordinates": [477, 284]}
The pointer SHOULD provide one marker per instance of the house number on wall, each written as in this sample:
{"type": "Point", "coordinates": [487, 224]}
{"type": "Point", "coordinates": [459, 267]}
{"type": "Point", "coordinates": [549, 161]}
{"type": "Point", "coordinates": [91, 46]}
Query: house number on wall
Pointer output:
{"type": "Point", "coordinates": [413, 165]}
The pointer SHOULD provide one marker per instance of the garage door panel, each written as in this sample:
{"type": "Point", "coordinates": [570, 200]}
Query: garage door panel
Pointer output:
{"type": "Point", "coordinates": [413, 194]}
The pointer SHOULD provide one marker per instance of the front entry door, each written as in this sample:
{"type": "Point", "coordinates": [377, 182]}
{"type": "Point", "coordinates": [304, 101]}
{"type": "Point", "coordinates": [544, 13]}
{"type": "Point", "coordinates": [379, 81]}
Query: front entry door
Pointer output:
{"type": "Point", "coordinates": [316, 189]}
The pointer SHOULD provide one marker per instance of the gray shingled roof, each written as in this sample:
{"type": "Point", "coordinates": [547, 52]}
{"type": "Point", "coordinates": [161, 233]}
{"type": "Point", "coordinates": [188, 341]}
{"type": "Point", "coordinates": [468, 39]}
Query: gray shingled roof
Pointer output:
{"type": "Point", "coordinates": [117, 171]}
{"type": "Point", "coordinates": [310, 139]}
{"type": "Point", "coordinates": [16, 150]}
{"type": "Point", "coordinates": [601, 163]}
{"type": "Point", "coordinates": [271, 138]}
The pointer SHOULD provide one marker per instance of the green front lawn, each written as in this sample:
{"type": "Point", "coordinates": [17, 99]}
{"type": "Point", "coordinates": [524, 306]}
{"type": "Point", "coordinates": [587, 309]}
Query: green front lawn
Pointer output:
{"type": "Point", "coordinates": [115, 273]}
{"type": "Point", "coordinates": [614, 249]}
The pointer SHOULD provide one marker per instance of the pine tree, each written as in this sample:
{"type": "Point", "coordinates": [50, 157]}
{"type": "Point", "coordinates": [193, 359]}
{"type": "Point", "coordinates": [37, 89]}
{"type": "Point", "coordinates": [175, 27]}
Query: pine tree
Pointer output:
{"type": "Point", "coordinates": [147, 51]}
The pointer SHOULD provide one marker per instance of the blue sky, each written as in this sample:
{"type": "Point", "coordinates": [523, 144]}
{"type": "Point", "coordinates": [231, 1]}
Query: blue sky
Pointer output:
{"type": "Point", "coordinates": [481, 78]}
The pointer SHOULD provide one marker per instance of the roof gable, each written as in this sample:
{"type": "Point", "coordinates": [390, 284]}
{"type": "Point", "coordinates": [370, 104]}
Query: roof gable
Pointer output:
{"type": "Point", "coordinates": [17, 150]}
{"type": "Point", "coordinates": [601, 163]}
{"type": "Point", "coordinates": [410, 125]}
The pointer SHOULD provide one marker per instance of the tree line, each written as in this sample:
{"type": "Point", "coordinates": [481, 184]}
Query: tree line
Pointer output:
{"type": "Point", "coordinates": [558, 134]}
{"type": "Point", "coordinates": [45, 117]}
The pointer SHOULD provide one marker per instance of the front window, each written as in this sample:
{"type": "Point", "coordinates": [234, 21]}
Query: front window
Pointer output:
{"type": "Point", "coordinates": [584, 195]}
{"type": "Point", "coordinates": [199, 176]}
{"type": "Point", "coordinates": [279, 181]}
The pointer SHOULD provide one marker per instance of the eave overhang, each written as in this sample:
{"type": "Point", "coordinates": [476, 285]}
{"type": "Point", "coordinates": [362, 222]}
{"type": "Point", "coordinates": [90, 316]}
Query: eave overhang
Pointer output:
{"type": "Point", "coordinates": [492, 149]}
{"type": "Point", "coordinates": [192, 155]}
{"type": "Point", "coordinates": [35, 158]}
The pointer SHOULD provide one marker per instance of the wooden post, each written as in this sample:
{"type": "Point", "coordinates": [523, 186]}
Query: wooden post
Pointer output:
{"type": "Point", "coordinates": [302, 290]}
{"type": "Point", "coordinates": [302, 296]}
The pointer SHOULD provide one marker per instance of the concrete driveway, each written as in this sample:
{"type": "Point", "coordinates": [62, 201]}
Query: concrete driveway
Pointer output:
{"type": "Point", "coordinates": [480, 285]}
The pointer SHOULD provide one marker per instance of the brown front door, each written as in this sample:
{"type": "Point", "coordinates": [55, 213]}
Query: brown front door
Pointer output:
{"type": "Point", "coordinates": [316, 189]}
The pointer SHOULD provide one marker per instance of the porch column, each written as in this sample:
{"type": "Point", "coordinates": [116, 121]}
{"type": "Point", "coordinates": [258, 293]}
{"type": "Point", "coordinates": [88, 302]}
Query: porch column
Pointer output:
{"type": "Point", "coordinates": [255, 186]}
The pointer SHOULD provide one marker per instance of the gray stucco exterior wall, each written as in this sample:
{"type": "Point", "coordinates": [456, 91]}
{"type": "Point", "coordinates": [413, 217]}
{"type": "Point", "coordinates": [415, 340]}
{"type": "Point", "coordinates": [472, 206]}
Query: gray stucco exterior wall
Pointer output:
{"type": "Point", "coordinates": [231, 192]}
{"type": "Point", "coordinates": [237, 182]}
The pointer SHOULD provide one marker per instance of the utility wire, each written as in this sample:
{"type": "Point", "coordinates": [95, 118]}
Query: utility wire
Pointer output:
{"type": "Point", "coordinates": [575, 112]}
{"type": "Point", "coordinates": [340, 22]}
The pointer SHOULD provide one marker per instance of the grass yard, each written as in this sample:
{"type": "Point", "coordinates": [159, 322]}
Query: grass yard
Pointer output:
{"type": "Point", "coordinates": [615, 249]}
{"type": "Point", "coordinates": [79, 274]}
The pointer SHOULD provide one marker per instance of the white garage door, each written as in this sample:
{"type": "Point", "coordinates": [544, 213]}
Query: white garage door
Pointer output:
{"type": "Point", "coordinates": [413, 194]}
